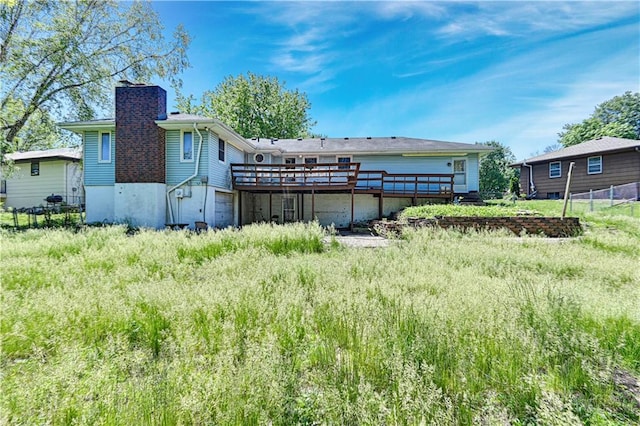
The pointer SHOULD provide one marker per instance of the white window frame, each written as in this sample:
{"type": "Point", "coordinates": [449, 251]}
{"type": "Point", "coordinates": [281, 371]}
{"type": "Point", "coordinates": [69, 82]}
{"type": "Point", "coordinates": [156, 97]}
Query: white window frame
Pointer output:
{"type": "Point", "coordinates": [289, 214]}
{"type": "Point", "coordinates": [224, 151]}
{"type": "Point", "coordinates": [193, 145]}
{"type": "Point", "coordinates": [338, 157]}
{"type": "Point", "coordinates": [597, 157]}
{"type": "Point", "coordinates": [101, 159]}
{"type": "Point", "coordinates": [559, 163]}
{"type": "Point", "coordinates": [35, 171]}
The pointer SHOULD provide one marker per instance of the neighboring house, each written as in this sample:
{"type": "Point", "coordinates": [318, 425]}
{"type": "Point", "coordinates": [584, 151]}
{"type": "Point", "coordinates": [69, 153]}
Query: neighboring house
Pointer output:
{"type": "Point", "coordinates": [150, 168]}
{"type": "Point", "coordinates": [38, 174]}
{"type": "Point", "coordinates": [599, 164]}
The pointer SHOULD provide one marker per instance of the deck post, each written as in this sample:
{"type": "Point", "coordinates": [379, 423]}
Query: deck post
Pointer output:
{"type": "Point", "coordinates": [270, 208]}
{"type": "Point", "coordinates": [380, 206]}
{"type": "Point", "coordinates": [239, 208]}
{"type": "Point", "coordinates": [313, 203]}
{"type": "Point", "coordinates": [352, 208]}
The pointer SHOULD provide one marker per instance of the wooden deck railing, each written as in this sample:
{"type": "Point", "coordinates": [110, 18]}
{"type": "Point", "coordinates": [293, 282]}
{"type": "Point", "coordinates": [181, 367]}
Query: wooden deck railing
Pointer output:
{"type": "Point", "coordinates": [338, 177]}
{"type": "Point", "coordinates": [324, 176]}
{"type": "Point", "coordinates": [405, 184]}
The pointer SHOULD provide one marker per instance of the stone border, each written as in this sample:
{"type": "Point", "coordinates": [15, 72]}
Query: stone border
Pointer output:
{"type": "Point", "coordinates": [534, 225]}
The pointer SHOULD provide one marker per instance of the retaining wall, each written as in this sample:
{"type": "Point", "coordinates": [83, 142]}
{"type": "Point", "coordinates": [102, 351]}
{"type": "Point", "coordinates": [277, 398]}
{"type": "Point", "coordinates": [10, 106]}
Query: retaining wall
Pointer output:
{"type": "Point", "coordinates": [536, 225]}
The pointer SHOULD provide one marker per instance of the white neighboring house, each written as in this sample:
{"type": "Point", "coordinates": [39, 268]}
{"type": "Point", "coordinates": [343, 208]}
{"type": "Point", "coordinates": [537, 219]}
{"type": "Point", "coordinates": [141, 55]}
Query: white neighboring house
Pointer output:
{"type": "Point", "coordinates": [39, 174]}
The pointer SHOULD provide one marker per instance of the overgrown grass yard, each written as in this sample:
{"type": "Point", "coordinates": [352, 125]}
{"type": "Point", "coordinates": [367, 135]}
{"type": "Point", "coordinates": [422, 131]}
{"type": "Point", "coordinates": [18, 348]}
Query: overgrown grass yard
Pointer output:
{"type": "Point", "coordinates": [268, 325]}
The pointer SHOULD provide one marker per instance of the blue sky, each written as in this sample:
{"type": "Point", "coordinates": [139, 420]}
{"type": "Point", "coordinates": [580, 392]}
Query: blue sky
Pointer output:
{"type": "Point", "coordinates": [514, 72]}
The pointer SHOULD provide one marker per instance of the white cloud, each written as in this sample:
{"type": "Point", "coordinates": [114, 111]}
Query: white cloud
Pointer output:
{"type": "Point", "coordinates": [508, 18]}
{"type": "Point", "coordinates": [522, 102]}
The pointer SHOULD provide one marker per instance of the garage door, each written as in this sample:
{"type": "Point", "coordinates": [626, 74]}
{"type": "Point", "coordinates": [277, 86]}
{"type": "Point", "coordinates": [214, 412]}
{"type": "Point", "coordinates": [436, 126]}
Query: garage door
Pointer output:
{"type": "Point", "coordinates": [224, 210]}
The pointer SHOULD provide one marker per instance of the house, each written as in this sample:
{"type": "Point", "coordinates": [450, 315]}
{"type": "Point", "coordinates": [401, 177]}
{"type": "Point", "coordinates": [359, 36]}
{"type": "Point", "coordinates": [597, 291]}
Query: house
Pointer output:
{"type": "Point", "coordinates": [40, 174]}
{"type": "Point", "coordinates": [154, 169]}
{"type": "Point", "coordinates": [599, 164]}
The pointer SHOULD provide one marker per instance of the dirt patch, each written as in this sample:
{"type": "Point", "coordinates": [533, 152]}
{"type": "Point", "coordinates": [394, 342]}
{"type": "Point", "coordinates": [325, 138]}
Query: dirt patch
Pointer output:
{"type": "Point", "coordinates": [628, 384]}
{"type": "Point", "coordinates": [360, 240]}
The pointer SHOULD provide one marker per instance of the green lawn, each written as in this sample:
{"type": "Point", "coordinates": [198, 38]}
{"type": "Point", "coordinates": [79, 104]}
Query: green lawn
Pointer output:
{"type": "Point", "coordinates": [269, 325]}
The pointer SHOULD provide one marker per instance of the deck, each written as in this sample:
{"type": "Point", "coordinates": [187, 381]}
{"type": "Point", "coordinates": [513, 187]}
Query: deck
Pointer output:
{"type": "Point", "coordinates": [339, 178]}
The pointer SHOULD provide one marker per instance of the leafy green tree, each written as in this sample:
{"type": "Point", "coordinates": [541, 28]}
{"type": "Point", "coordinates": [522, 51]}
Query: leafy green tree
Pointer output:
{"type": "Point", "coordinates": [255, 106]}
{"type": "Point", "coordinates": [496, 176]}
{"type": "Point", "coordinates": [552, 148]}
{"type": "Point", "coordinates": [64, 57]}
{"type": "Point", "coordinates": [617, 117]}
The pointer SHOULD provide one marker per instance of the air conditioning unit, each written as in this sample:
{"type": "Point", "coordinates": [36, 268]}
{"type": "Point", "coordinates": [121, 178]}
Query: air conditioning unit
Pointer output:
{"type": "Point", "coordinates": [179, 193]}
{"type": "Point", "coordinates": [258, 158]}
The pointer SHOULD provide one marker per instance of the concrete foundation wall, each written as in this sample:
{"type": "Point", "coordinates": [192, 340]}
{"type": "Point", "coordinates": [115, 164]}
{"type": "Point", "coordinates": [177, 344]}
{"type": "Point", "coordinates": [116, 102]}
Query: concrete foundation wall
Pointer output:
{"type": "Point", "coordinates": [193, 206]}
{"type": "Point", "coordinates": [140, 204]}
{"type": "Point", "coordinates": [99, 204]}
{"type": "Point", "coordinates": [328, 208]}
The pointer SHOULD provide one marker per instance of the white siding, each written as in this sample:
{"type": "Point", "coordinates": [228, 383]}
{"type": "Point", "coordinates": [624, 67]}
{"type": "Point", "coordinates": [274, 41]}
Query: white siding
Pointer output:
{"type": "Point", "coordinates": [400, 164]}
{"type": "Point", "coordinates": [473, 173]}
{"type": "Point", "coordinates": [219, 172]}
{"type": "Point", "coordinates": [24, 190]}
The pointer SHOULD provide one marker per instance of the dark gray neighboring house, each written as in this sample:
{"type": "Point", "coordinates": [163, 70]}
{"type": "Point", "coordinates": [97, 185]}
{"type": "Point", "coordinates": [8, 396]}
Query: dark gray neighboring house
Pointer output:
{"type": "Point", "coordinates": [599, 164]}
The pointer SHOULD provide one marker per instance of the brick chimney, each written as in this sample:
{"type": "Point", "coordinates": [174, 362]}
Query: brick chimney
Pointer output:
{"type": "Point", "coordinates": [140, 143]}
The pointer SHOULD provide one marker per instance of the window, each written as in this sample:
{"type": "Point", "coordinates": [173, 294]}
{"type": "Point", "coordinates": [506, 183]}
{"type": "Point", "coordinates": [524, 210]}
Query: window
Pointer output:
{"type": "Point", "coordinates": [311, 160]}
{"type": "Point", "coordinates": [553, 195]}
{"type": "Point", "coordinates": [288, 208]}
{"type": "Point", "coordinates": [344, 160]}
{"type": "Point", "coordinates": [594, 165]}
{"type": "Point", "coordinates": [35, 168]}
{"type": "Point", "coordinates": [290, 161]}
{"type": "Point", "coordinates": [555, 169]}
{"type": "Point", "coordinates": [186, 149]}
{"type": "Point", "coordinates": [104, 155]}
{"type": "Point", "coordinates": [221, 147]}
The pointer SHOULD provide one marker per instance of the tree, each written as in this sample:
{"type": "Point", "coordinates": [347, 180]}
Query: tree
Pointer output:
{"type": "Point", "coordinates": [255, 106]}
{"type": "Point", "coordinates": [617, 117]}
{"type": "Point", "coordinates": [495, 174]}
{"type": "Point", "coordinates": [552, 148]}
{"type": "Point", "coordinates": [61, 58]}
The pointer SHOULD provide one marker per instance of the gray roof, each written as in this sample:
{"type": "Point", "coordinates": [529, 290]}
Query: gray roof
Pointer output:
{"type": "Point", "coordinates": [98, 122]}
{"type": "Point", "coordinates": [317, 146]}
{"type": "Point", "coordinates": [111, 121]}
{"type": "Point", "coordinates": [179, 116]}
{"type": "Point", "coordinates": [591, 147]}
{"type": "Point", "coordinates": [73, 154]}
{"type": "Point", "coordinates": [377, 145]}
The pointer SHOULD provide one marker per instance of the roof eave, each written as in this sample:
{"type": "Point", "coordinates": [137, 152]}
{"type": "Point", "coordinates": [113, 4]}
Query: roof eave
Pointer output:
{"type": "Point", "coordinates": [406, 153]}
{"type": "Point", "coordinates": [80, 127]}
{"type": "Point", "coordinates": [580, 155]}
{"type": "Point", "coordinates": [217, 126]}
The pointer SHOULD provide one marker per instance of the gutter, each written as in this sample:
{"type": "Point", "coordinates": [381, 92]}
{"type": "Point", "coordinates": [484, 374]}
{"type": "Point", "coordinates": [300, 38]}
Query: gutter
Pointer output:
{"type": "Point", "coordinates": [195, 173]}
{"type": "Point", "coordinates": [532, 186]}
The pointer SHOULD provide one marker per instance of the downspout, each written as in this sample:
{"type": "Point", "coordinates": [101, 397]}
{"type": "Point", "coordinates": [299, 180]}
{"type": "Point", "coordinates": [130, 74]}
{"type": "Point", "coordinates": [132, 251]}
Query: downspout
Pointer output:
{"type": "Point", "coordinates": [195, 173]}
{"type": "Point", "coordinates": [66, 183]}
{"type": "Point", "coordinates": [532, 186]}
